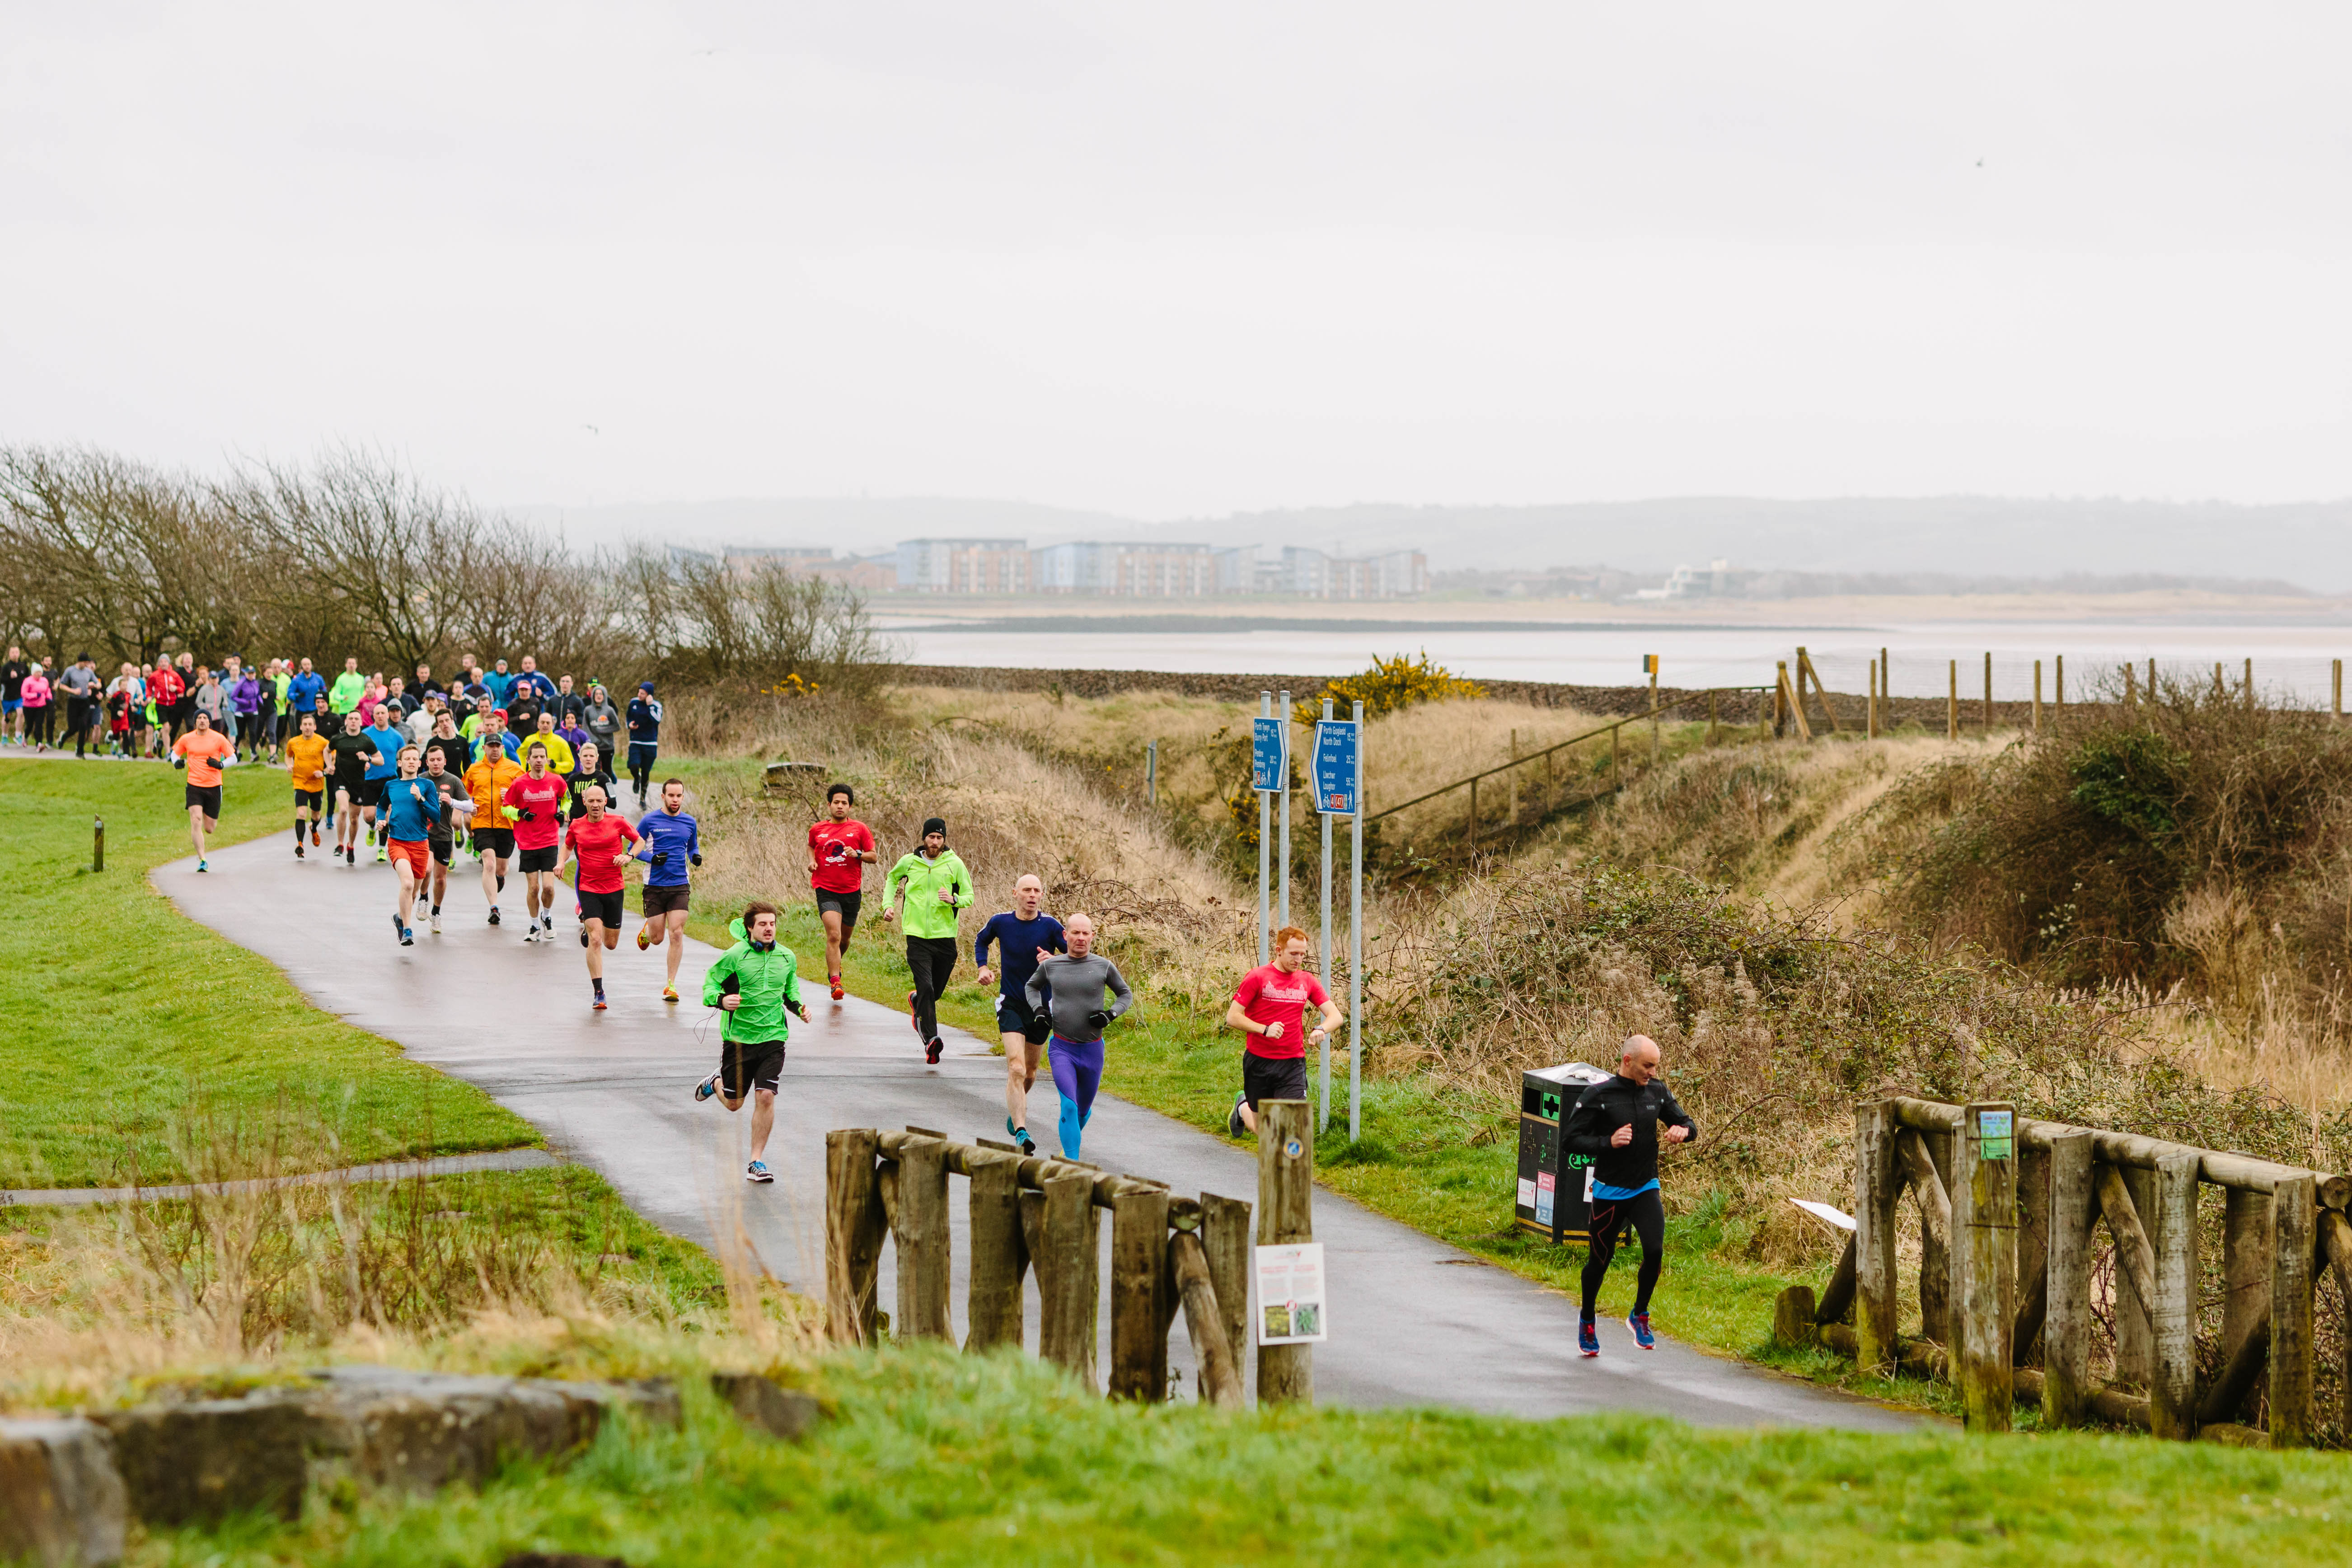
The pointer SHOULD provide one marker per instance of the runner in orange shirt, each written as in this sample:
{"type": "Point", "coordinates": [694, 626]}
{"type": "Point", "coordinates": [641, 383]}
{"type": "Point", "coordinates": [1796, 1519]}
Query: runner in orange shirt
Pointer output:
{"type": "Point", "coordinates": [202, 751]}
{"type": "Point", "coordinates": [306, 759]}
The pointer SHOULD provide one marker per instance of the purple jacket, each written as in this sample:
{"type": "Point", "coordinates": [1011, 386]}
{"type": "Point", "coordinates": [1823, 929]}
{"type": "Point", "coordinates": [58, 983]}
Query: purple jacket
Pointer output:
{"type": "Point", "coordinates": [245, 695]}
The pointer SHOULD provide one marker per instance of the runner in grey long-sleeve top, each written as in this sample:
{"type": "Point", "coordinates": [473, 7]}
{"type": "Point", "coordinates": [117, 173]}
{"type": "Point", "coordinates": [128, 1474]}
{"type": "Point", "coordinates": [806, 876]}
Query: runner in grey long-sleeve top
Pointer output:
{"type": "Point", "coordinates": [1078, 980]}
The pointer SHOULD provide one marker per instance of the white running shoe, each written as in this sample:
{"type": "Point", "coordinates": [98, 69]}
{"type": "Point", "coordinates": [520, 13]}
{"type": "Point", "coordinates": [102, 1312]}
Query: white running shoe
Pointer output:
{"type": "Point", "coordinates": [436, 925]}
{"type": "Point", "coordinates": [531, 933]}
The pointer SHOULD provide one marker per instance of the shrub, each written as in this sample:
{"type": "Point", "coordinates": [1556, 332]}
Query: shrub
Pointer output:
{"type": "Point", "coordinates": [1399, 683]}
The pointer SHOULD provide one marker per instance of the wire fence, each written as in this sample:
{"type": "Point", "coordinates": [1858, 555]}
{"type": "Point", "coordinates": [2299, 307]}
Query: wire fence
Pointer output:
{"type": "Point", "coordinates": [2297, 680]}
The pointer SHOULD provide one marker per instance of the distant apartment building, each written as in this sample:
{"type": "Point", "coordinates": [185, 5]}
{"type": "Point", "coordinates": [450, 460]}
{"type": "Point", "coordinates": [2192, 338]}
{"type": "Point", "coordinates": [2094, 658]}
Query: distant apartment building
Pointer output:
{"type": "Point", "coordinates": [1126, 570]}
{"type": "Point", "coordinates": [1313, 575]}
{"type": "Point", "coordinates": [963, 566]}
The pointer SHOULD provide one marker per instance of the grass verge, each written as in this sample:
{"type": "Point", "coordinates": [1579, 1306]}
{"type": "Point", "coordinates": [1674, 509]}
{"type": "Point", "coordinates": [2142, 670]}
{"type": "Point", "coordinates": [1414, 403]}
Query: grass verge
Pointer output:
{"type": "Point", "coordinates": [931, 1457]}
{"type": "Point", "coordinates": [121, 1011]}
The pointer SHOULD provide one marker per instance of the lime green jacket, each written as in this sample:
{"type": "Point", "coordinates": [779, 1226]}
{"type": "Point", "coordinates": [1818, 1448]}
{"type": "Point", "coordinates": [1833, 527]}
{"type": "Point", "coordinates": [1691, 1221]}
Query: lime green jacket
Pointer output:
{"type": "Point", "coordinates": [346, 694]}
{"type": "Point", "coordinates": [925, 915]}
{"type": "Point", "coordinates": [769, 984]}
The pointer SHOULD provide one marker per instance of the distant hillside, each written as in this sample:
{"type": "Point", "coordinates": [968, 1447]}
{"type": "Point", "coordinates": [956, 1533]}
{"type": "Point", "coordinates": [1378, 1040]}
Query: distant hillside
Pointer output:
{"type": "Point", "coordinates": [1954, 538]}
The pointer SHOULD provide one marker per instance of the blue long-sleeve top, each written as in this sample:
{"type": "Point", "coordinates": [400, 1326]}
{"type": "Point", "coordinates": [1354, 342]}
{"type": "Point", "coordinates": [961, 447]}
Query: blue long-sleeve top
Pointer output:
{"type": "Point", "coordinates": [659, 833]}
{"type": "Point", "coordinates": [1020, 939]}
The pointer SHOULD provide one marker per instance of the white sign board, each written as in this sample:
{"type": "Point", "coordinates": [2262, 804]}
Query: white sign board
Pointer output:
{"type": "Point", "coordinates": [1290, 1294]}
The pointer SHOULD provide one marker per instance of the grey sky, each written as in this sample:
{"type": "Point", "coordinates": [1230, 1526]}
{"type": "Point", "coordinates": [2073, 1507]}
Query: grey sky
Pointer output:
{"type": "Point", "coordinates": [1174, 259]}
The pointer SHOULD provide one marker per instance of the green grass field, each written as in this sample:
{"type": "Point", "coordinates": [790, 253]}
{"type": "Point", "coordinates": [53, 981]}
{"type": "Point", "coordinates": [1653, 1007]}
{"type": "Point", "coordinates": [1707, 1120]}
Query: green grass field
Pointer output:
{"type": "Point", "coordinates": [121, 1013]}
{"type": "Point", "coordinates": [931, 1457]}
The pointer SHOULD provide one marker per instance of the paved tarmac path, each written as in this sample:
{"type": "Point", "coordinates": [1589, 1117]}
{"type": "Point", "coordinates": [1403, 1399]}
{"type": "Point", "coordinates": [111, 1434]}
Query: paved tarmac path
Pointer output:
{"type": "Point", "coordinates": [1414, 1321]}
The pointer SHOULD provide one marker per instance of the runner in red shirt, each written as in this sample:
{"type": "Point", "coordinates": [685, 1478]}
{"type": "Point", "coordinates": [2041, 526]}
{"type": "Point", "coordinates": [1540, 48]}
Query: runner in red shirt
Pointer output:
{"type": "Point", "coordinates": [536, 799]}
{"type": "Point", "coordinates": [601, 841]}
{"type": "Point", "coordinates": [1270, 1006]}
{"type": "Point", "coordinates": [839, 848]}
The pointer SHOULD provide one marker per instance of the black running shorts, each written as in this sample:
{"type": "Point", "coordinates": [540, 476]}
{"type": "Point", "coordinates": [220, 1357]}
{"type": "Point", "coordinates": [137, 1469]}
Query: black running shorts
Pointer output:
{"type": "Point", "coordinates": [605, 908]}
{"type": "Point", "coordinates": [747, 1064]}
{"type": "Point", "coordinates": [494, 842]}
{"type": "Point", "coordinates": [441, 848]}
{"type": "Point", "coordinates": [846, 904]}
{"type": "Point", "coordinates": [1272, 1077]}
{"type": "Point", "coordinates": [1015, 1016]}
{"type": "Point", "coordinates": [660, 901]}
{"type": "Point", "coordinates": [207, 796]}
{"type": "Point", "coordinates": [367, 792]}
{"type": "Point", "coordinates": [538, 859]}
{"type": "Point", "coordinates": [313, 799]}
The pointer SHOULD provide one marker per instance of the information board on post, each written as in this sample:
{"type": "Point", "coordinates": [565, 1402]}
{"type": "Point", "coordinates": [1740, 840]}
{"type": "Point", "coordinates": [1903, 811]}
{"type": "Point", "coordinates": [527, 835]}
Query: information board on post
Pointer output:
{"type": "Point", "coordinates": [1291, 1301]}
{"type": "Point", "coordinates": [1334, 767]}
{"type": "Point", "coordinates": [1269, 748]}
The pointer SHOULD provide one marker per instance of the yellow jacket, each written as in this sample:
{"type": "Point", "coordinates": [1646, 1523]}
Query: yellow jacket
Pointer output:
{"type": "Point", "coordinates": [487, 781]}
{"type": "Point", "coordinates": [558, 752]}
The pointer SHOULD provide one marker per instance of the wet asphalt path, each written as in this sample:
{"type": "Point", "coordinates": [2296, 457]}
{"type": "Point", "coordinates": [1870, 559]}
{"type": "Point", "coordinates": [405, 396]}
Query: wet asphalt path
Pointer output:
{"type": "Point", "coordinates": [1414, 1321]}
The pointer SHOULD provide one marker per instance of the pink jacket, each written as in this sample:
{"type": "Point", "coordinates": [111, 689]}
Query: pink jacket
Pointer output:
{"type": "Point", "coordinates": [36, 692]}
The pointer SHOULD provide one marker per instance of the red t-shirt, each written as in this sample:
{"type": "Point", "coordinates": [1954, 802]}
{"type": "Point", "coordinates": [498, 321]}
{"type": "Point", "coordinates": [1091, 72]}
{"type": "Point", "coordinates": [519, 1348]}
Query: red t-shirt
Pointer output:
{"type": "Point", "coordinates": [1267, 995]}
{"type": "Point", "coordinates": [593, 845]}
{"type": "Point", "coordinates": [837, 870]}
{"type": "Point", "coordinates": [543, 798]}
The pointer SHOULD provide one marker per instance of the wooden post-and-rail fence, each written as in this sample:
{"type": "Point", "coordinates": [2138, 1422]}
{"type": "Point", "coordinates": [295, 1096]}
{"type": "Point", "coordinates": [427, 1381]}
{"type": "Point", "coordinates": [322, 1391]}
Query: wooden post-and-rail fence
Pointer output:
{"type": "Point", "coordinates": [2009, 1209]}
{"type": "Point", "coordinates": [1167, 1254]}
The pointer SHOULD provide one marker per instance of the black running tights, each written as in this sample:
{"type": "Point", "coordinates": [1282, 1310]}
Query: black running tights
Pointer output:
{"type": "Point", "coordinates": [1647, 1216]}
{"type": "Point", "coordinates": [932, 959]}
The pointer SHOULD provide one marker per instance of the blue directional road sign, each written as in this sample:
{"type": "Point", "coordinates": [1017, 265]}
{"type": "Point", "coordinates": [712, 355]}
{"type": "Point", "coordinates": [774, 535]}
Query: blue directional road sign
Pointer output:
{"type": "Point", "coordinates": [1269, 757]}
{"type": "Point", "coordinates": [1334, 767]}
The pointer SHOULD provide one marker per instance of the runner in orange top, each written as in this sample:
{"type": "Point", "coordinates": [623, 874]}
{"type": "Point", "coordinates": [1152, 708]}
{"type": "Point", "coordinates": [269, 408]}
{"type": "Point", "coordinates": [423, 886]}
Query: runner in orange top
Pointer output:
{"type": "Point", "coordinates": [493, 829]}
{"type": "Point", "coordinates": [306, 758]}
{"type": "Point", "coordinates": [202, 751]}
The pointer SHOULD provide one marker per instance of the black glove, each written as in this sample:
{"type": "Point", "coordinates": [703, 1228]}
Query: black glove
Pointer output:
{"type": "Point", "coordinates": [1099, 1018]}
{"type": "Point", "coordinates": [662, 858]}
{"type": "Point", "coordinates": [695, 859]}
{"type": "Point", "coordinates": [179, 761]}
{"type": "Point", "coordinates": [526, 814]}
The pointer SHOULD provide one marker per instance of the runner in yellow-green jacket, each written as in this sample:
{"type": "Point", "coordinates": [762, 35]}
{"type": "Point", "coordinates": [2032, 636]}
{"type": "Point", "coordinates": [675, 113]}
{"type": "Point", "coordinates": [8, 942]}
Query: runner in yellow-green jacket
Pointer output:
{"type": "Point", "coordinates": [935, 887]}
{"type": "Point", "coordinates": [755, 983]}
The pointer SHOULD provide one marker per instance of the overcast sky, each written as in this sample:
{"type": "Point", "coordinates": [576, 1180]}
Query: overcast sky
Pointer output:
{"type": "Point", "coordinates": [1177, 259]}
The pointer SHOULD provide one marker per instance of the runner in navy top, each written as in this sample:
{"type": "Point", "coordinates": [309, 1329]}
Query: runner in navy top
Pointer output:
{"type": "Point", "coordinates": [672, 845]}
{"type": "Point", "coordinates": [1024, 936]}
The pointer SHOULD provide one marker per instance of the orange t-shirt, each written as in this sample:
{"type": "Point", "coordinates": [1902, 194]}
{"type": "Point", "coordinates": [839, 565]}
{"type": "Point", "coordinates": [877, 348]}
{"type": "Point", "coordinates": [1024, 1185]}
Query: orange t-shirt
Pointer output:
{"type": "Point", "coordinates": [203, 748]}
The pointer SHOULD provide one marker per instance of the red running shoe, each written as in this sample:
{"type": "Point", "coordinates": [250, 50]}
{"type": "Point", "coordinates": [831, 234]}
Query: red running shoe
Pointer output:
{"type": "Point", "coordinates": [836, 987]}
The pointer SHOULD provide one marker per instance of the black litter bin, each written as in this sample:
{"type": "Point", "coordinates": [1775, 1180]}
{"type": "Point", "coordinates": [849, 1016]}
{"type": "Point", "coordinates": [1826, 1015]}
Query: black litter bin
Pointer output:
{"type": "Point", "coordinates": [1548, 1206]}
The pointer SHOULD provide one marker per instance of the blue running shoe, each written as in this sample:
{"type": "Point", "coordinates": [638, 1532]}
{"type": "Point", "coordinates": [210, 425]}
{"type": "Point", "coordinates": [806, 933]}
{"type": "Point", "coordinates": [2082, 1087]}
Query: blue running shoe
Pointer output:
{"type": "Point", "coordinates": [1588, 1336]}
{"type": "Point", "coordinates": [757, 1170]}
{"type": "Point", "coordinates": [706, 1089]}
{"type": "Point", "coordinates": [1640, 1324]}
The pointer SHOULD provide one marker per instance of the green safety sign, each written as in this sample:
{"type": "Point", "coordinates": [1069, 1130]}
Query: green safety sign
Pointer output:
{"type": "Point", "coordinates": [1995, 1131]}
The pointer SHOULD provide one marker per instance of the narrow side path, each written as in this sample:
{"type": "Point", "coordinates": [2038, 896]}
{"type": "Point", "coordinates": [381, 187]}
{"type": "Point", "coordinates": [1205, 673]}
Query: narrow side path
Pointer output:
{"type": "Point", "coordinates": [382, 1171]}
{"type": "Point", "coordinates": [613, 1092]}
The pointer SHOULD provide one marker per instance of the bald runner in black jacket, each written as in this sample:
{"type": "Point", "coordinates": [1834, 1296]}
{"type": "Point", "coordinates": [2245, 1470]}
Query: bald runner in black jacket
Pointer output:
{"type": "Point", "coordinates": [1616, 1125]}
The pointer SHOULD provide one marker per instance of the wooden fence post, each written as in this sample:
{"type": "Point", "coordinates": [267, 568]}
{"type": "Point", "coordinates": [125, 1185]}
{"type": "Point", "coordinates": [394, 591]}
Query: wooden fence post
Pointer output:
{"type": "Point", "coordinates": [1000, 1259]}
{"type": "Point", "coordinates": [1988, 724]}
{"type": "Point", "coordinates": [2245, 1276]}
{"type": "Point", "coordinates": [1138, 1276]}
{"type": "Point", "coordinates": [2058, 682]}
{"type": "Point", "coordinates": [1984, 1261]}
{"type": "Point", "coordinates": [854, 1228]}
{"type": "Point", "coordinates": [1876, 1188]}
{"type": "Point", "coordinates": [2066, 1321]}
{"type": "Point", "coordinates": [1952, 705]}
{"type": "Point", "coordinates": [2135, 1345]}
{"type": "Point", "coordinates": [2033, 1252]}
{"type": "Point", "coordinates": [2172, 1316]}
{"type": "Point", "coordinates": [1212, 1352]}
{"type": "Point", "coordinates": [2037, 697]}
{"type": "Point", "coordinates": [2131, 688]}
{"type": "Point", "coordinates": [1871, 726]}
{"type": "Point", "coordinates": [924, 1265]}
{"type": "Point", "coordinates": [2337, 683]}
{"type": "Point", "coordinates": [1286, 1212]}
{"type": "Point", "coordinates": [1066, 1250]}
{"type": "Point", "coordinates": [2249, 683]}
{"type": "Point", "coordinates": [1225, 1238]}
{"type": "Point", "coordinates": [2294, 1214]}
{"type": "Point", "coordinates": [1926, 1157]}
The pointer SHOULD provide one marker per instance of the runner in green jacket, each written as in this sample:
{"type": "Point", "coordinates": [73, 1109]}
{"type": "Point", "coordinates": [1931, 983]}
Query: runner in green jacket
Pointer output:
{"type": "Point", "coordinates": [755, 983]}
{"type": "Point", "coordinates": [936, 889]}
{"type": "Point", "coordinates": [349, 688]}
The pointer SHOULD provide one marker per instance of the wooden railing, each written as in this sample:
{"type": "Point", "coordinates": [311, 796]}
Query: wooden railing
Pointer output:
{"type": "Point", "coordinates": [2008, 1240]}
{"type": "Point", "coordinates": [1167, 1252]}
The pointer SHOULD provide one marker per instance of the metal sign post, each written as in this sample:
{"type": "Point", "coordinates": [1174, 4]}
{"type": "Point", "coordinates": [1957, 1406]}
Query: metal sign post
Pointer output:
{"type": "Point", "coordinates": [1268, 766]}
{"type": "Point", "coordinates": [1330, 777]}
{"type": "Point", "coordinates": [1282, 900]}
{"type": "Point", "coordinates": [1151, 773]}
{"type": "Point", "coordinates": [1356, 938]}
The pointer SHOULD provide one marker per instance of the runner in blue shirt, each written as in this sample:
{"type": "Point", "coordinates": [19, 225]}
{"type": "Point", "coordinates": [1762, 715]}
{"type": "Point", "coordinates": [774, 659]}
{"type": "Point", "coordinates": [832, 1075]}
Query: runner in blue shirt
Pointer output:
{"type": "Point", "coordinates": [670, 842]}
{"type": "Point", "coordinates": [1024, 936]}
{"type": "Point", "coordinates": [303, 691]}
{"type": "Point", "coordinates": [412, 808]}
{"type": "Point", "coordinates": [389, 739]}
